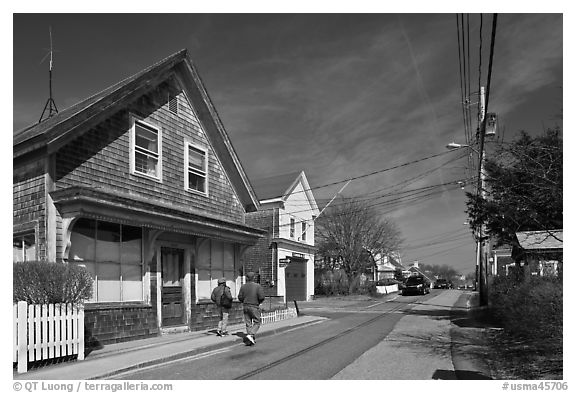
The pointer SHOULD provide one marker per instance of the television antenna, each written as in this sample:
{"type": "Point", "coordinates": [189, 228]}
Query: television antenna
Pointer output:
{"type": "Point", "coordinates": [50, 104]}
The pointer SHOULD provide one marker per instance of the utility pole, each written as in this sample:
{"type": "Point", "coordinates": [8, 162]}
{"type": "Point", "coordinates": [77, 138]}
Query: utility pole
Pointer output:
{"type": "Point", "coordinates": [482, 192]}
{"type": "Point", "coordinates": [481, 177]}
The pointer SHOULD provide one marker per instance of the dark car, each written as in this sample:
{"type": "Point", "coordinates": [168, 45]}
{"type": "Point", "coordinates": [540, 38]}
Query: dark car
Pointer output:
{"type": "Point", "coordinates": [417, 285]}
{"type": "Point", "coordinates": [442, 284]}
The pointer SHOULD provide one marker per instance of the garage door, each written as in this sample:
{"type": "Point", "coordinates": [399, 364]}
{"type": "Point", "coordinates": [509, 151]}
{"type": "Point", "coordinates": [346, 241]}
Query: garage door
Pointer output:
{"type": "Point", "coordinates": [296, 280]}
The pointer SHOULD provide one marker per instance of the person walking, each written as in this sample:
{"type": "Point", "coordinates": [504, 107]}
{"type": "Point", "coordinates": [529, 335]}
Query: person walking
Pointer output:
{"type": "Point", "coordinates": [251, 295]}
{"type": "Point", "coordinates": [222, 296]}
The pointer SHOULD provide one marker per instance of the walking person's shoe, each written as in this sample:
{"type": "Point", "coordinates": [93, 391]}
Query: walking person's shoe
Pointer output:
{"type": "Point", "coordinates": [250, 338]}
{"type": "Point", "coordinates": [219, 333]}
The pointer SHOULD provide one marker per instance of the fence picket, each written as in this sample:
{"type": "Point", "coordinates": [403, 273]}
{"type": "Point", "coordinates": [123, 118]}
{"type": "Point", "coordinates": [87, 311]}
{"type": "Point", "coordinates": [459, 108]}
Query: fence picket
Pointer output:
{"type": "Point", "coordinates": [14, 333]}
{"type": "Point", "coordinates": [22, 337]}
{"type": "Point", "coordinates": [44, 340]}
{"type": "Point", "coordinates": [51, 341]}
{"type": "Point", "coordinates": [80, 333]}
{"type": "Point", "coordinates": [69, 329]}
{"type": "Point", "coordinates": [57, 329]}
{"type": "Point", "coordinates": [31, 337]}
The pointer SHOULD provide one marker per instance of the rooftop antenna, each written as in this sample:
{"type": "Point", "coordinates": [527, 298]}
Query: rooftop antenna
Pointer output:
{"type": "Point", "coordinates": [50, 104]}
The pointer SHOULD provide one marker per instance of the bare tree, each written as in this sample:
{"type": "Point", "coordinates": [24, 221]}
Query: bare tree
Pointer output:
{"type": "Point", "coordinates": [349, 235]}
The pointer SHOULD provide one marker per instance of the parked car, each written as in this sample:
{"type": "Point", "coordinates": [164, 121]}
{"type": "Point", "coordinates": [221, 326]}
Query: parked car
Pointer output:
{"type": "Point", "coordinates": [442, 283]}
{"type": "Point", "coordinates": [416, 284]}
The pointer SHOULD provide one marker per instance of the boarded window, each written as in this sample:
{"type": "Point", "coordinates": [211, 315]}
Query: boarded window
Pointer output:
{"type": "Point", "coordinates": [112, 254]}
{"type": "Point", "coordinates": [216, 259]}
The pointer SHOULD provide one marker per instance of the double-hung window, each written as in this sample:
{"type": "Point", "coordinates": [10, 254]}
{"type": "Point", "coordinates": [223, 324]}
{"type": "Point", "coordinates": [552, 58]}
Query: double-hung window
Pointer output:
{"type": "Point", "coordinates": [196, 173]}
{"type": "Point", "coordinates": [303, 231]}
{"type": "Point", "coordinates": [146, 150]}
{"type": "Point", "coordinates": [292, 228]}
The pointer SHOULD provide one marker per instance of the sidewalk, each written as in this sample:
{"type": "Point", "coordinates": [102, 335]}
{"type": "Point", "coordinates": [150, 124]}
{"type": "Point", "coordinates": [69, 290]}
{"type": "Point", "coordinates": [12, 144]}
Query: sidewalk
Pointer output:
{"type": "Point", "coordinates": [114, 359]}
{"type": "Point", "coordinates": [438, 338]}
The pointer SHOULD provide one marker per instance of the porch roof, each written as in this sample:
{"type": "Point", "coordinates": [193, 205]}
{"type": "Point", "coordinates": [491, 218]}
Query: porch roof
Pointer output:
{"type": "Point", "coordinates": [540, 240]}
{"type": "Point", "coordinates": [85, 202]}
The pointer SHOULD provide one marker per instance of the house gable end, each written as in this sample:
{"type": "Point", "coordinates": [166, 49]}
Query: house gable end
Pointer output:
{"type": "Point", "coordinates": [70, 124]}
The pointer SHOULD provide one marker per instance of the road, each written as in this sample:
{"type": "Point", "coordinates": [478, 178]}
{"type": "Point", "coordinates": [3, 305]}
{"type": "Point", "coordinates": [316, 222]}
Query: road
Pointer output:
{"type": "Point", "coordinates": [404, 337]}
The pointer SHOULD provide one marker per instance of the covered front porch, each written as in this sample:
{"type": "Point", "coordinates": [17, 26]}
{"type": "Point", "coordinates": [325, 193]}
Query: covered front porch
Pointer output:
{"type": "Point", "coordinates": [154, 267]}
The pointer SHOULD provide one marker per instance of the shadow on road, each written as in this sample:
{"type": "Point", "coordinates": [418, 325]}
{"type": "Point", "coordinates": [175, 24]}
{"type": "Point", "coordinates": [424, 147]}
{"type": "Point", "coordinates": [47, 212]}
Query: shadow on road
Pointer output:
{"type": "Point", "coordinates": [458, 374]}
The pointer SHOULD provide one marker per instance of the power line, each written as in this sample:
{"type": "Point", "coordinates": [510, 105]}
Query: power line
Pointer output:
{"type": "Point", "coordinates": [367, 174]}
{"type": "Point", "coordinates": [404, 194]}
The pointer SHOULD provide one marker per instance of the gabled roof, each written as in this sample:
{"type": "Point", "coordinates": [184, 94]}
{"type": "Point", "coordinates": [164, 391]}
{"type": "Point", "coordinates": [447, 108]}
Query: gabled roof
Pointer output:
{"type": "Point", "coordinates": [540, 240]}
{"type": "Point", "coordinates": [280, 187]}
{"type": "Point", "coordinates": [70, 123]}
{"type": "Point", "coordinates": [274, 187]}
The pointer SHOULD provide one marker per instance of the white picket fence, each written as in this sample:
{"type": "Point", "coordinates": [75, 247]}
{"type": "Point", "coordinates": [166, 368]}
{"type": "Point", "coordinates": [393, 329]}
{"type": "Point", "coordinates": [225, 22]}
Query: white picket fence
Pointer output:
{"type": "Point", "coordinates": [46, 331]}
{"type": "Point", "coordinates": [278, 315]}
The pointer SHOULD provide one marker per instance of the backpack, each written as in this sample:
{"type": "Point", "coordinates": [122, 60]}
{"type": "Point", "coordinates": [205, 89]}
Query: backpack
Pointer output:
{"type": "Point", "coordinates": [225, 301]}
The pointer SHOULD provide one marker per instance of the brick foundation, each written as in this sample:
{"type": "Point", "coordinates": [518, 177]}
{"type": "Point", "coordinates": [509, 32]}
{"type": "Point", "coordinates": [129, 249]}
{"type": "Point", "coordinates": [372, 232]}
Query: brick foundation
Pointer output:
{"type": "Point", "coordinates": [107, 324]}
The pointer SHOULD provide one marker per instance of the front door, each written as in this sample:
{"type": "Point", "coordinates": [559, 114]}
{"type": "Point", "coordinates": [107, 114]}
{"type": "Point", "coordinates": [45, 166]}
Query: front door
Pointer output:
{"type": "Point", "coordinates": [172, 280]}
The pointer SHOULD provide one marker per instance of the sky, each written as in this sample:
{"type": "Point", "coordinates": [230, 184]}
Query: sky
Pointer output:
{"type": "Point", "coordinates": [340, 96]}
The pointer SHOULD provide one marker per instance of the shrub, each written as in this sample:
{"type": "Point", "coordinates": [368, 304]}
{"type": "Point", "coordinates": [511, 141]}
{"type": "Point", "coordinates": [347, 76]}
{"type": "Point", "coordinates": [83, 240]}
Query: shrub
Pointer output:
{"type": "Point", "coordinates": [528, 308]}
{"type": "Point", "coordinates": [332, 283]}
{"type": "Point", "coordinates": [360, 286]}
{"type": "Point", "coordinates": [45, 283]}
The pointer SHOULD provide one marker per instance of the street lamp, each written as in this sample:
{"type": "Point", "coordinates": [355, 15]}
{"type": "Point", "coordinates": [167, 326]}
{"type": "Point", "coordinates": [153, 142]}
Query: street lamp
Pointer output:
{"type": "Point", "coordinates": [479, 270]}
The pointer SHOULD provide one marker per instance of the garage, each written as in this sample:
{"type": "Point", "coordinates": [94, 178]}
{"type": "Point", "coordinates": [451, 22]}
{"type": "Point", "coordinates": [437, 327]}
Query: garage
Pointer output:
{"type": "Point", "coordinates": [295, 274]}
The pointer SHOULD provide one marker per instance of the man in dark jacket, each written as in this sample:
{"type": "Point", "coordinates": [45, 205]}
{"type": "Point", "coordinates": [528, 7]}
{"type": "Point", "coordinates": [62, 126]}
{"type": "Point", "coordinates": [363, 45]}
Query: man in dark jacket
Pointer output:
{"type": "Point", "coordinates": [251, 295]}
{"type": "Point", "coordinates": [222, 296]}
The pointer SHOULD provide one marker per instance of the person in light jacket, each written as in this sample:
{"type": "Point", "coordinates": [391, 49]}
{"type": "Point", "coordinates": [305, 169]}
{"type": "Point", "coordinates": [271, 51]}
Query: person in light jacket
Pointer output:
{"type": "Point", "coordinates": [251, 295]}
{"type": "Point", "coordinates": [222, 296]}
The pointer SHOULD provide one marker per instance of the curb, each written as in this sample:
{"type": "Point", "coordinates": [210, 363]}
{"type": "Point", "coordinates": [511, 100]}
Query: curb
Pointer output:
{"type": "Point", "coordinates": [196, 351]}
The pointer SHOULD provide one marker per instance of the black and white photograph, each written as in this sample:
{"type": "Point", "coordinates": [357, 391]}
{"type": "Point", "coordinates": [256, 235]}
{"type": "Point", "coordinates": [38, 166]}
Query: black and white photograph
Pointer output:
{"type": "Point", "coordinates": [316, 194]}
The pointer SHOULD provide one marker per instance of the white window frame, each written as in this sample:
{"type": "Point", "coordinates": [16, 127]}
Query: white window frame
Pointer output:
{"type": "Point", "coordinates": [304, 230]}
{"type": "Point", "coordinates": [187, 145]}
{"type": "Point", "coordinates": [136, 120]}
{"type": "Point", "coordinates": [292, 228]}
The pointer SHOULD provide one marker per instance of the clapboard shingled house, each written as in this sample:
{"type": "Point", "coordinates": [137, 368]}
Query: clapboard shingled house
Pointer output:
{"type": "Point", "coordinates": [141, 185]}
{"type": "Point", "coordinates": [284, 259]}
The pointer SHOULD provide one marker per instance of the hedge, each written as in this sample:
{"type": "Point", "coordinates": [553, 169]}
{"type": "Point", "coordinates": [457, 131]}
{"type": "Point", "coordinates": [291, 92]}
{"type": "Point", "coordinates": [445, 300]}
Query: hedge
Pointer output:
{"type": "Point", "coordinates": [528, 308]}
{"type": "Point", "coordinates": [47, 282]}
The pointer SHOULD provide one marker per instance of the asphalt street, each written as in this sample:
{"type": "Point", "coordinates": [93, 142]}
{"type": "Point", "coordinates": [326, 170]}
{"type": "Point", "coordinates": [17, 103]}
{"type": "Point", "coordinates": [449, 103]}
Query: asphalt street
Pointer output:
{"type": "Point", "coordinates": [404, 337]}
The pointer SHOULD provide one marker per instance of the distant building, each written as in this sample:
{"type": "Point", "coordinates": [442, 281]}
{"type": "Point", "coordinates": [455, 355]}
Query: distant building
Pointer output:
{"type": "Point", "coordinates": [540, 251]}
{"type": "Point", "coordinates": [284, 259]}
{"type": "Point", "coordinates": [387, 266]}
{"type": "Point", "coordinates": [414, 270]}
